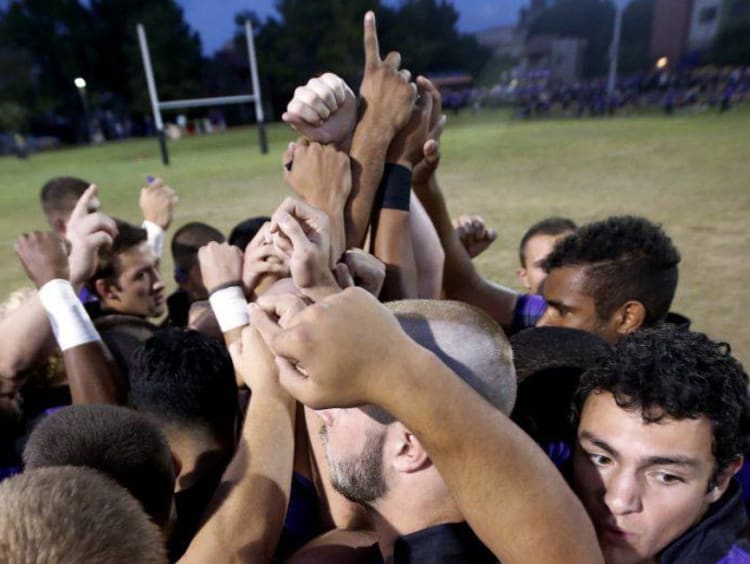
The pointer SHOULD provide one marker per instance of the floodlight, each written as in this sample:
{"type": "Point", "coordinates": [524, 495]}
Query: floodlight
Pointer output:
{"type": "Point", "coordinates": [80, 82]}
{"type": "Point", "coordinates": [662, 63]}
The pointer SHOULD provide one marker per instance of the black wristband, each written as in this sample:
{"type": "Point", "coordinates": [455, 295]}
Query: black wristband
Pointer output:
{"type": "Point", "coordinates": [395, 188]}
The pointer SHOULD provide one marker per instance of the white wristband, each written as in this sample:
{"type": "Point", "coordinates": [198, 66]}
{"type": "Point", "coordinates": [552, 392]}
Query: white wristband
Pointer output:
{"type": "Point", "coordinates": [156, 236]}
{"type": "Point", "coordinates": [70, 322]}
{"type": "Point", "coordinates": [230, 308]}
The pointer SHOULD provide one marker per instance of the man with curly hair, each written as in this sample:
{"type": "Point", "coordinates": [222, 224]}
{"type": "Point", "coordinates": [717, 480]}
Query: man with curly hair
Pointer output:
{"type": "Point", "coordinates": [663, 425]}
{"type": "Point", "coordinates": [611, 278]}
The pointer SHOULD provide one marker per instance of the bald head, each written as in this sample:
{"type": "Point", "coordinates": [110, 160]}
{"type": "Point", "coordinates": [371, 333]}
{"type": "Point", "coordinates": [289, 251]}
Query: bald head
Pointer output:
{"type": "Point", "coordinates": [467, 340]}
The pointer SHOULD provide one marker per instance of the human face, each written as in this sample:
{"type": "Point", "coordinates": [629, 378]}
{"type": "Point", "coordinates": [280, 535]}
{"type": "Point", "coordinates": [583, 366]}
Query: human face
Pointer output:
{"type": "Point", "coordinates": [569, 306]}
{"type": "Point", "coordinates": [643, 484]}
{"type": "Point", "coordinates": [139, 289]}
{"type": "Point", "coordinates": [353, 444]}
{"type": "Point", "coordinates": [535, 251]}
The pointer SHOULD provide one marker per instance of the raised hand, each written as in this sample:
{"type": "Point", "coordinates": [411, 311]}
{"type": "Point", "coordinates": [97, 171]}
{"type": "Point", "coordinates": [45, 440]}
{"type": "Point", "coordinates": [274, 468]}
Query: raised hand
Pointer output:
{"type": "Point", "coordinates": [304, 230]}
{"type": "Point", "coordinates": [430, 159]}
{"type": "Point", "coordinates": [387, 93]}
{"type": "Point", "coordinates": [366, 270]}
{"type": "Point", "coordinates": [406, 147]}
{"type": "Point", "coordinates": [43, 256]}
{"type": "Point", "coordinates": [221, 265]}
{"type": "Point", "coordinates": [332, 353]}
{"type": "Point", "coordinates": [320, 175]}
{"type": "Point", "coordinates": [87, 232]}
{"type": "Point", "coordinates": [262, 260]}
{"type": "Point", "coordinates": [473, 234]}
{"type": "Point", "coordinates": [324, 110]}
{"type": "Point", "coordinates": [157, 203]}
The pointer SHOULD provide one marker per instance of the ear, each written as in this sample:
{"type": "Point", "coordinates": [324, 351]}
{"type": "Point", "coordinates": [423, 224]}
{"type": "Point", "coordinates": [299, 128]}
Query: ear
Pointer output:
{"type": "Point", "coordinates": [59, 225]}
{"type": "Point", "coordinates": [107, 292]}
{"type": "Point", "coordinates": [523, 277]}
{"type": "Point", "coordinates": [629, 317]}
{"type": "Point", "coordinates": [408, 453]}
{"type": "Point", "coordinates": [722, 480]}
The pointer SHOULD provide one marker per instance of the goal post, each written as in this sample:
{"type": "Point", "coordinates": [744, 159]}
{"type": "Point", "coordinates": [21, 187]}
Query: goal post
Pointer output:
{"type": "Point", "coordinates": [157, 106]}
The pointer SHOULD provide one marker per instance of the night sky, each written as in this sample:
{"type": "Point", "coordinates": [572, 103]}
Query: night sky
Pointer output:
{"type": "Point", "coordinates": [214, 20]}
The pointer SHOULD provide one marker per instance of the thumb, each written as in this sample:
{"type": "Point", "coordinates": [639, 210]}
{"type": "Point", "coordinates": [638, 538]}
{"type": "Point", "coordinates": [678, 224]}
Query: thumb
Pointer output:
{"type": "Point", "coordinates": [293, 380]}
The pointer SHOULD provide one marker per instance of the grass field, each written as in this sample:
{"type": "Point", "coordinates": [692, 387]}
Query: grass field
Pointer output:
{"type": "Point", "coordinates": [689, 172]}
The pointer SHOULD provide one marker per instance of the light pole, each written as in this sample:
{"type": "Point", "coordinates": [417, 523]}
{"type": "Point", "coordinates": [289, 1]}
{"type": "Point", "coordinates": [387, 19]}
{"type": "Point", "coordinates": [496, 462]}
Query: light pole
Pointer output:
{"type": "Point", "coordinates": [614, 48]}
{"type": "Point", "coordinates": [80, 83]}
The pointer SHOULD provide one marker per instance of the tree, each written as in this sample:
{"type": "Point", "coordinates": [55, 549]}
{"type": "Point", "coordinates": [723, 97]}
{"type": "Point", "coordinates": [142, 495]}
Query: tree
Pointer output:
{"type": "Point", "coordinates": [314, 36]}
{"type": "Point", "coordinates": [635, 45]}
{"type": "Point", "coordinates": [96, 40]}
{"type": "Point", "coordinates": [592, 20]}
{"type": "Point", "coordinates": [732, 44]}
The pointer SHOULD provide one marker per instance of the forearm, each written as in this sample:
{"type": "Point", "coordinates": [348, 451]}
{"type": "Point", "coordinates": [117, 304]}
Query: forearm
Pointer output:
{"type": "Point", "coordinates": [27, 339]}
{"type": "Point", "coordinates": [246, 515]}
{"type": "Point", "coordinates": [461, 281]}
{"type": "Point", "coordinates": [93, 375]}
{"type": "Point", "coordinates": [429, 256]}
{"type": "Point", "coordinates": [507, 489]}
{"type": "Point", "coordinates": [369, 147]}
{"type": "Point", "coordinates": [393, 246]}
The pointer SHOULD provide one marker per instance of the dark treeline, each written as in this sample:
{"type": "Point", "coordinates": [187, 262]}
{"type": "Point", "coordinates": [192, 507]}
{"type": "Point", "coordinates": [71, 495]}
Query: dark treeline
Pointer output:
{"type": "Point", "coordinates": [45, 44]}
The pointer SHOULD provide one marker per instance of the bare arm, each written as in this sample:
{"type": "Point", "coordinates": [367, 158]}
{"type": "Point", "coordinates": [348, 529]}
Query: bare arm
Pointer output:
{"type": "Point", "coordinates": [92, 374]}
{"type": "Point", "coordinates": [461, 281]}
{"type": "Point", "coordinates": [507, 489]}
{"type": "Point", "coordinates": [246, 515]}
{"type": "Point", "coordinates": [386, 102]}
{"type": "Point", "coordinates": [27, 340]}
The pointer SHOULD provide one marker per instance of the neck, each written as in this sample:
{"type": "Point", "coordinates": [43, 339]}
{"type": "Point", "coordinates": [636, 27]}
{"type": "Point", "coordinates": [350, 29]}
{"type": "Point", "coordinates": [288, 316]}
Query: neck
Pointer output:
{"type": "Point", "coordinates": [409, 509]}
{"type": "Point", "coordinates": [201, 454]}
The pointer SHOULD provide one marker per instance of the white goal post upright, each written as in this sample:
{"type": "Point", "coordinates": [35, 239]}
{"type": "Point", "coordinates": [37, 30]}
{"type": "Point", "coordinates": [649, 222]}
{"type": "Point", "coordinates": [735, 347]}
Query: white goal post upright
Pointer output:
{"type": "Point", "coordinates": [157, 106]}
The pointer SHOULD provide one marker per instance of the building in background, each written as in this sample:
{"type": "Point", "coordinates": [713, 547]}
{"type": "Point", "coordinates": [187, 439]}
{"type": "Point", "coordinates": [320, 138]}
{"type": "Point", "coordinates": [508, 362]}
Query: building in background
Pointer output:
{"type": "Point", "coordinates": [684, 30]}
{"type": "Point", "coordinates": [559, 58]}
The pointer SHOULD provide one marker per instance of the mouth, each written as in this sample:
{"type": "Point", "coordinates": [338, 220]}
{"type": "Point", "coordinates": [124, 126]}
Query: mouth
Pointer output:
{"type": "Point", "coordinates": [612, 534]}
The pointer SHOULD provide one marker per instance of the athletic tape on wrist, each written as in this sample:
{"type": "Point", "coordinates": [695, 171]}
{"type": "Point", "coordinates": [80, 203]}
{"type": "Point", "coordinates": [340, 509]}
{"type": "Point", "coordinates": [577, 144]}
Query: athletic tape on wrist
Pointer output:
{"type": "Point", "coordinates": [155, 235]}
{"type": "Point", "coordinates": [70, 323]}
{"type": "Point", "coordinates": [395, 187]}
{"type": "Point", "coordinates": [230, 308]}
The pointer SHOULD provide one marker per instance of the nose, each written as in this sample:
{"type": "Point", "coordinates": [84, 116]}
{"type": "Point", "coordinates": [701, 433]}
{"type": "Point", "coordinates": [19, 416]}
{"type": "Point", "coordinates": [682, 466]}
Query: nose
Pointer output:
{"type": "Point", "coordinates": [623, 494]}
{"type": "Point", "coordinates": [156, 282]}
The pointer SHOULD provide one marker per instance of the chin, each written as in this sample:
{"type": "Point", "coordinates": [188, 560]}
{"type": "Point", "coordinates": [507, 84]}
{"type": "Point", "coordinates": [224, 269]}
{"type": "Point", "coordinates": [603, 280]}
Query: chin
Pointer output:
{"type": "Point", "coordinates": [621, 555]}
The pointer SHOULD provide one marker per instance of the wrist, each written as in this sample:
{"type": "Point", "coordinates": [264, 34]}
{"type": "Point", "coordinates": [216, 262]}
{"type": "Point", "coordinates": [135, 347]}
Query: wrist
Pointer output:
{"type": "Point", "coordinates": [70, 323]}
{"type": "Point", "coordinates": [230, 307]}
{"type": "Point", "coordinates": [373, 129]}
{"type": "Point", "coordinates": [401, 381]}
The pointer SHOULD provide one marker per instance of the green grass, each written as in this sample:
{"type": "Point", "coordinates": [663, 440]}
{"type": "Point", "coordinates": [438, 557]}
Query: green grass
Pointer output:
{"type": "Point", "coordinates": [689, 172]}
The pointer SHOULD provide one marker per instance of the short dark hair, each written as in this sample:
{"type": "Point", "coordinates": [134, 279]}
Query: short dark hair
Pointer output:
{"type": "Point", "coordinates": [244, 231]}
{"type": "Point", "coordinates": [186, 378]}
{"type": "Point", "coordinates": [117, 441]}
{"type": "Point", "coordinates": [549, 362]}
{"type": "Point", "coordinates": [128, 236]}
{"type": "Point", "coordinates": [60, 194]}
{"type": "Point", "coordinates": [69, 514]}
{"type": "Point", "coordinates": [671, 372]}
{"type": "Point", "coordinates": [188, 239]}
{"type": "Point", "coordinates": [626, 258]}
{"type": "Point", "coordinates": [548, 226]}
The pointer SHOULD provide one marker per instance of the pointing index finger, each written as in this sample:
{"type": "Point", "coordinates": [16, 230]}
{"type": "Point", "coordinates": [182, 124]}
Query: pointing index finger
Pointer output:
{"type": "Point", "coordinates": [82, 205]}
{"type": "Point", "coordinates": [372, 48]}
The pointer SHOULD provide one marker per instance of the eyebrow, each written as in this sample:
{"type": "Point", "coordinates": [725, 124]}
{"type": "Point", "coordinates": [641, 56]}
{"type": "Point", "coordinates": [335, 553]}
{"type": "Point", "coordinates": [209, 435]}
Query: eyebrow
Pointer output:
{"type": "Point", "coordinates": [557, 304]}
{"type": "Point", "coordinates": [677, 460]}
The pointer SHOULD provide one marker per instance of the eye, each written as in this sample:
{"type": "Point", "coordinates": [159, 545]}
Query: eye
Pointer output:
{"type": "Point", "coordinates": [599, 459]}
{"type": "Point", "coordinates": [667, 478]}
